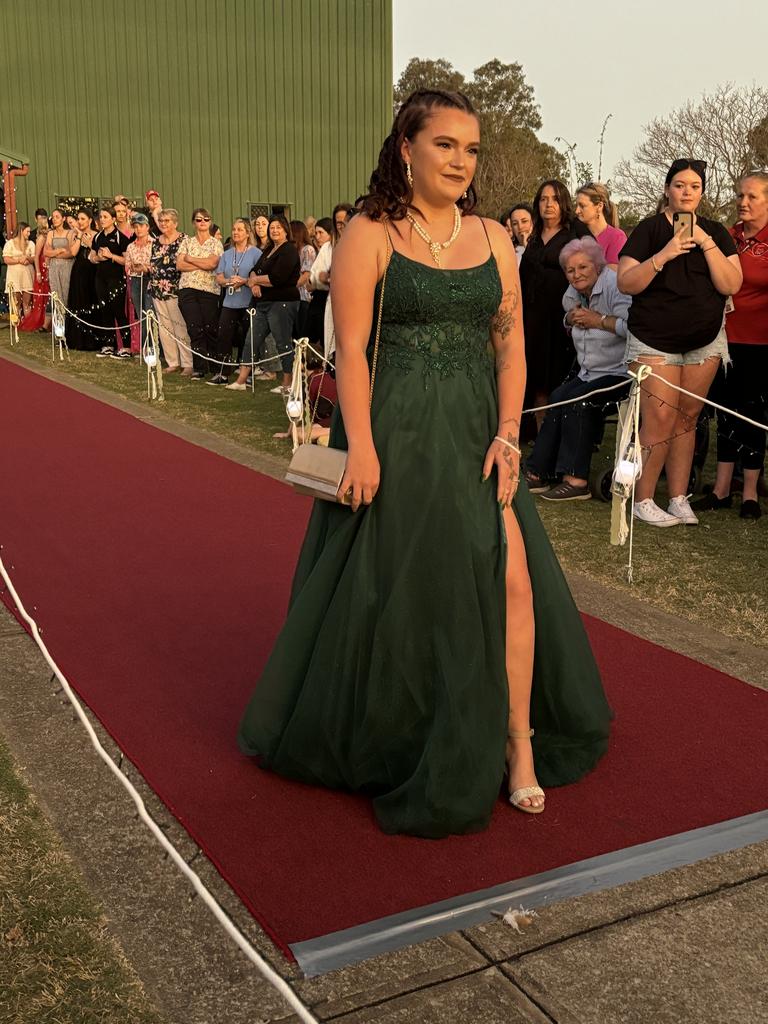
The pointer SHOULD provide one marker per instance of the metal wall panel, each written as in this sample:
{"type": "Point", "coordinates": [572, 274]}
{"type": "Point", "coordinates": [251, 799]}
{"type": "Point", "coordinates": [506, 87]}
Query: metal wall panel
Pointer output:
{"type": "Point", "coordinates": [214, 103]}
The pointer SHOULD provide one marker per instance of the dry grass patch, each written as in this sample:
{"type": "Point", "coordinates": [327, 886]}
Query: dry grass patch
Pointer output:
{"type": "Point", "coordinates": [59, 964]}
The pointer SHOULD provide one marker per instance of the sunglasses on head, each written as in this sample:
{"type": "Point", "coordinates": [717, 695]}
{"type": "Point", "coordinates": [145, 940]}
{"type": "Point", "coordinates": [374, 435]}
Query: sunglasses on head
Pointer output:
{"type": "Point", "coordinates": [699, 166]}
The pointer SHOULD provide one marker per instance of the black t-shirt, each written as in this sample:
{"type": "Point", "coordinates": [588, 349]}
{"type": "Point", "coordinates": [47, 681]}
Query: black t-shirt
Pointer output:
{"type": "Point", "coordinates": [117, 243]}
{"type": "Point", "coordinates": [283, 268]}
{"type": "Point", "coordinates": [681, 309]}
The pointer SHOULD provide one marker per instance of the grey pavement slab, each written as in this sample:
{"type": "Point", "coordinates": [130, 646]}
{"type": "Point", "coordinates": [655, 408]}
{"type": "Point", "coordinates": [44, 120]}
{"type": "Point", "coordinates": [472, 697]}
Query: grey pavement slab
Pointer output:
{"type": "Point", "coordinates": [486, 997]}
{"type": "Point", "coordinates": [634, 899]}
{"type": "Point", "coordinates": [699, 962]}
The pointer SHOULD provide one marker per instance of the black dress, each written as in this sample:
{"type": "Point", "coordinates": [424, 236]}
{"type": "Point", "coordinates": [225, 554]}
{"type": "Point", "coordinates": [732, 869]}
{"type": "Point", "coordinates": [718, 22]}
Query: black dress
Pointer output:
{"type": "Point", "coordinates": [82, 301]}
{"type": "Point", "coordinates": [549, 352]}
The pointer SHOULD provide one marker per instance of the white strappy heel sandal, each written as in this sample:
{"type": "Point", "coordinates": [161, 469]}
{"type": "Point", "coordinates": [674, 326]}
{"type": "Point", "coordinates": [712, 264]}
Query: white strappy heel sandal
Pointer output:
{"type": "Point", "coordinates": [525, 792]}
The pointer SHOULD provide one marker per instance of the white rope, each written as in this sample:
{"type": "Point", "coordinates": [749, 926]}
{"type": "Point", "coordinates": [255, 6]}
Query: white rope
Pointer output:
{"type": "Point", "coordinates": [231, 929]}
{"type": "Point", "coordinates": [708, 401]}
{"type": "Point", "coordinates": [100, 305]}
{"type": "Point", "coordinates": [579, 398]}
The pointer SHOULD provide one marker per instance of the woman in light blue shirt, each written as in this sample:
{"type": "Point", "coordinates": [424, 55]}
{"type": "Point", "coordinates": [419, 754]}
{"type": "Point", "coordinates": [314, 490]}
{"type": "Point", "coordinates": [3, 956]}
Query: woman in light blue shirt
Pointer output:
{"type": "Point", "coordinates": [596, 314]}
{"type": "Point", "coordinates": [235, 265]}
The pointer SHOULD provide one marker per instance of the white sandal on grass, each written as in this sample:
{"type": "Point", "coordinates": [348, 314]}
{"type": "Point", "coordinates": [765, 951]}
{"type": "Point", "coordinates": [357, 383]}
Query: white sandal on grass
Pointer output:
{"type": "Point", "coordinates": [525, 792]}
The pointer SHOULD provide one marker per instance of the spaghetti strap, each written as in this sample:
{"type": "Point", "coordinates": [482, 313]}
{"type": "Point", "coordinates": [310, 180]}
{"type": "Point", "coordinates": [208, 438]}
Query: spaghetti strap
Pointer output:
{"type": "Point", "coordinates": [485, 229]}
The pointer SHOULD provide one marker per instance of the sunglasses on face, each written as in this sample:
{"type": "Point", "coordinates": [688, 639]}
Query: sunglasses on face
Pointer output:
{"type": "Point", "coordinates": [202, 220]}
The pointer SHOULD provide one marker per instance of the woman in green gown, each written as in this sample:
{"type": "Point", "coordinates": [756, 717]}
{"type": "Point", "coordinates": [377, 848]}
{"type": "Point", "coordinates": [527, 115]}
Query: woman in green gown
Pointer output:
{"type": "Point", "coordinates": [430, 624]}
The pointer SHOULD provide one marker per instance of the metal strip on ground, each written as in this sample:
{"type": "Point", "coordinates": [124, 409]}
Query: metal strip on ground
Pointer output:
{"type": "Point", "coordinates": [339, 949]}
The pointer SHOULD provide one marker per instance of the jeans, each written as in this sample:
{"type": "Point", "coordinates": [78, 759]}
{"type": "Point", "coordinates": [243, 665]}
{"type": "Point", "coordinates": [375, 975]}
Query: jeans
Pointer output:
{"type": "Point", "coordinates": [278, 319]}
{"type": "Point", "coordinates": [568, 434]}
{"type": "Point", "coordinates": [201, 315]}
{"type": "Point", "coordinates": [142, 302]}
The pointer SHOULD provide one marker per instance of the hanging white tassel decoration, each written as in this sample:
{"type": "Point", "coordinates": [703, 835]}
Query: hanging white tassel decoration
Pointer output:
{"type": "Point", "coordinates": [628, 467]}
{"type": "Point", "coordinates": [151, 356]}
{"type": "Point", "coordinates": [58, 327]}
{"type": "Point", "coordinates": [13, 315]}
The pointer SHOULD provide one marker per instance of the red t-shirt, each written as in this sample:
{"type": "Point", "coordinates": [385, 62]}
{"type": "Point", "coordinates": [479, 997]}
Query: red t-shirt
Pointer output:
{"type": "Point", "coordinates": [748, 323]}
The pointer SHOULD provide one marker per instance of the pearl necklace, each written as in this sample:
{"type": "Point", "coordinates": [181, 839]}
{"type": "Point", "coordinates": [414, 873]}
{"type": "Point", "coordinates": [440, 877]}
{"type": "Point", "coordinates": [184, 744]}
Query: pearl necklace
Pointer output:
{"type": "Point", "coordinates": [436, 248]}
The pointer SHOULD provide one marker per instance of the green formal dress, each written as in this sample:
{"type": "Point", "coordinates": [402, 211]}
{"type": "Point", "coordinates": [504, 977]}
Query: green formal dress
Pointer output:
{"type": "Point", "coordinates": [389, 675]}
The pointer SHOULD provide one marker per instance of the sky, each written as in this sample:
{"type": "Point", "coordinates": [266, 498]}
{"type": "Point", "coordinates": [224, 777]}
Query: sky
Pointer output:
{"type": "Point", "coordinates": [633, 60]}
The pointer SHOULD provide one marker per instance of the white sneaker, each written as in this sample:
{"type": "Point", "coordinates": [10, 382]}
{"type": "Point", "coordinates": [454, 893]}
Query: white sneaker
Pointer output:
{"type": "Point", "coordinates": [234, 386]}
{"type": "Point", "coordinates": [680, 508]}
{"type": "Point", "coordinates": [649, 512]}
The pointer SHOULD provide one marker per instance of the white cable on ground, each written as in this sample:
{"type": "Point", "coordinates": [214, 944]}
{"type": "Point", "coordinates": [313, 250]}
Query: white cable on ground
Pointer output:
{"type": "Point", "coordinates": [231, 929]}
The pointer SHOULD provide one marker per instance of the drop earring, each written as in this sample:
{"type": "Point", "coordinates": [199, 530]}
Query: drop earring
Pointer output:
{"type": "Point", "coordinates": [408, 174]}
{"type": "Point", "coordinates": [464, 194]}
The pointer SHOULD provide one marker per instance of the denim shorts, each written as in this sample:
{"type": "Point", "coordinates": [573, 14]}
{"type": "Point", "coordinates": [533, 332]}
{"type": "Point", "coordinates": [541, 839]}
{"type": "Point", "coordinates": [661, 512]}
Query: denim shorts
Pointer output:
{"type": "Point", "coordinates": [637, 349]}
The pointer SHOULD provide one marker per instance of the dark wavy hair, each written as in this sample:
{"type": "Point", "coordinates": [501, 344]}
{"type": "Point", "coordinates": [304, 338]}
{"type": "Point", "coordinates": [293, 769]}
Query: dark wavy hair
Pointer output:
{"type": "Point", "coordinates": [564, 199]}
{"type": "Point", "coordinates": [389, 192]}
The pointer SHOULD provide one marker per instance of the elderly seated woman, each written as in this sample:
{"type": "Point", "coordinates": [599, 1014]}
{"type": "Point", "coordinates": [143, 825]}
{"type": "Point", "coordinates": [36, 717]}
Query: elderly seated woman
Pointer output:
{"type": "Point", "coordinates": [596, 313]}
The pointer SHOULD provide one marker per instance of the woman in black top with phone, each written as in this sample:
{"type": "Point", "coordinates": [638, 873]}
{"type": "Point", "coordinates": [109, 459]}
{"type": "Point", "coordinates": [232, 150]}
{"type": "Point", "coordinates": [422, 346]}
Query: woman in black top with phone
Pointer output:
{"type": "Point", "coordinates": [679, 268]}
{"type": "Point", "coordinates": [273, 284]}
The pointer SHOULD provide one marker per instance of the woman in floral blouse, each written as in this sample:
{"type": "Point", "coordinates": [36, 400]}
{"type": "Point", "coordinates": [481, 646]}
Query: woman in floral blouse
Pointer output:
{"type": "Point", "coordinates": [164, 289]}
{"type": "Point", "coordinates": [199, 293]}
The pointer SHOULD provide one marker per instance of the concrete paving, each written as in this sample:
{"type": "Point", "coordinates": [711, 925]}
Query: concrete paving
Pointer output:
{"type": "Point", "coordinates": [686, 946]}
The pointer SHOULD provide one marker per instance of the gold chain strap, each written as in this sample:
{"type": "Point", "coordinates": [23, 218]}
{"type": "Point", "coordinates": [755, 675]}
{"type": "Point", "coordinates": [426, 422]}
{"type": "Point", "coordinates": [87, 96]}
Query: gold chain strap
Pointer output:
{"type": "Point", "coordinates": [375, 359]}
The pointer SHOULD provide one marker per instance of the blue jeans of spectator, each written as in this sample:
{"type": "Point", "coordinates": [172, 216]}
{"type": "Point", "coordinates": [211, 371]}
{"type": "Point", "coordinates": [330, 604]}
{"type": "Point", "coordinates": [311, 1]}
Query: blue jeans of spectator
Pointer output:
{"type": "Point", "coordinates": [277, 319]}
{"type": "Point", "coordinates": [568, 434]}
{"type": "Point", "coordinates": [142, 302]}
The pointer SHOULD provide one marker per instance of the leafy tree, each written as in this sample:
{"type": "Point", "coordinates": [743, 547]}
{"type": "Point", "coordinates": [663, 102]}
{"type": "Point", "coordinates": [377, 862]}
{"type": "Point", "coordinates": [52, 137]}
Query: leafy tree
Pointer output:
{"type": "Point", "coordinates": [728, 128]}
{"type": "Point", "coordinates": [513, 160]}
{"type": "Point", "coordinates": [427, 74]}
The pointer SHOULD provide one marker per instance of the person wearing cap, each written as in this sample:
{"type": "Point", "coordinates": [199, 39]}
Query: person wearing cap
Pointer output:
{"type": "Point", "coordinates": [137, 258]}
{"type": "Point", "coordinates": [154, 205]}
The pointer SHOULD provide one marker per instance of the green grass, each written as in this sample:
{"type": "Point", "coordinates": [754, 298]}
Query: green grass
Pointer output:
{"type": "Point", "coordinates": [713, 574]}
{"type": "Point", "coordinates": [58, 962]}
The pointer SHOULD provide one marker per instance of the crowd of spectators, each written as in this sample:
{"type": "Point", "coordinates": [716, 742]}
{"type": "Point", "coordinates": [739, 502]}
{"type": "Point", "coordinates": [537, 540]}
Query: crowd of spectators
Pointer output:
{"type": "Point", "coordinates": [684, 295]}
{"type": "Point", "coordinates": [243, 299]}
{"type": "Point", "coordinates": [596, 304]}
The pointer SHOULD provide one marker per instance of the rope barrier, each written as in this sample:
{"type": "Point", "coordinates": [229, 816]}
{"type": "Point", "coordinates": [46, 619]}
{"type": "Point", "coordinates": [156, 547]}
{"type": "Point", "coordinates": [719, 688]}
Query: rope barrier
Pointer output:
{"type": "Point", "coordinates": [265, 969]}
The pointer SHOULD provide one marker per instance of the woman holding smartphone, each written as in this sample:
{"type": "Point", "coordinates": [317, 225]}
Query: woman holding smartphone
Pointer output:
{"type": "Point", "coordinates": [679, 268]}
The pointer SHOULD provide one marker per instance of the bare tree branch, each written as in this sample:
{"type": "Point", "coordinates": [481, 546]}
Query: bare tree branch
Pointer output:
{"type": "Point", "coordinates": [727, 127]}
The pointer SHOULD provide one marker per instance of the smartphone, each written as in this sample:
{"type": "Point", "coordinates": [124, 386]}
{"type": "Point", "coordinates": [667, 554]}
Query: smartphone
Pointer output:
{"type": "Point", "coordinates": [682, 224]}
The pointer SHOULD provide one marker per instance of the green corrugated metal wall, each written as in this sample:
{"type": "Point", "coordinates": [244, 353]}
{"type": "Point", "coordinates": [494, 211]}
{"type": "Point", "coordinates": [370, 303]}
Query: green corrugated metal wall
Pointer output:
{"type": "Point", "coordinates": [214, 103]}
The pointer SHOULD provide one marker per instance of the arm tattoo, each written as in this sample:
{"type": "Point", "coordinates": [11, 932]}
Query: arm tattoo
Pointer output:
{"type": "Point", "coordinates": [506, 318]}
{"type": "Point", "coordinates": [510, 429]}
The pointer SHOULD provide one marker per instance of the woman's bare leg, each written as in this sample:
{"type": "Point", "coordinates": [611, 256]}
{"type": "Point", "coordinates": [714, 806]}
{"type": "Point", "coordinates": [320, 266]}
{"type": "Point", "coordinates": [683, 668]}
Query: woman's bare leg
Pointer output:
{"type": "Point", "coordinates": [698, 380]}
{"type": "Point", "coordinates": [658, 412]}
{"type": "Point", "coordinates": [520, 631]}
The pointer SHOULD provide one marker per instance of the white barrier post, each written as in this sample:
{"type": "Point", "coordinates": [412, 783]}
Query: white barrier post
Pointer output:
{"type": "Point", "coordinates": [251, 315]}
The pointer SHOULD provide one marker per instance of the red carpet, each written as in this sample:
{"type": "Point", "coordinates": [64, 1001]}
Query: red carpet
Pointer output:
{"type": "Point", "coordinates": [159, 574]}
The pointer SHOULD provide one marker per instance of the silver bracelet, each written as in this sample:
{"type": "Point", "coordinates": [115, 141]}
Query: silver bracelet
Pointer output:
{"type": "Point", "coordinates": [507, 443]}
